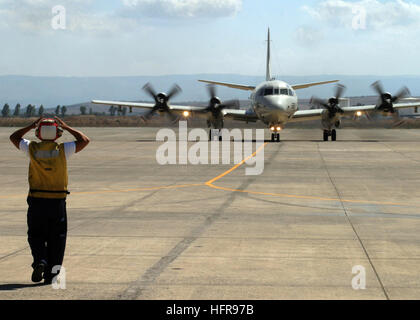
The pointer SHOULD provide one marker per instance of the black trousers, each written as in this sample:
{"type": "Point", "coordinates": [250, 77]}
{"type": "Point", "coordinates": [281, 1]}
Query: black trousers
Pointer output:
{"type": "Point", "coordinates": [47, 231]}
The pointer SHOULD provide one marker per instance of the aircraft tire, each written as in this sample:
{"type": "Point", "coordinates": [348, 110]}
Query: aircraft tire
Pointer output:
{"type": "Point", "coordinates": [333, 135]}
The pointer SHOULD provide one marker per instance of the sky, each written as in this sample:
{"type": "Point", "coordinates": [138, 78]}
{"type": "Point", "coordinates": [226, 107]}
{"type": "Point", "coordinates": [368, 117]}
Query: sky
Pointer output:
{"type": "Point", "coordinates": [160, 37]}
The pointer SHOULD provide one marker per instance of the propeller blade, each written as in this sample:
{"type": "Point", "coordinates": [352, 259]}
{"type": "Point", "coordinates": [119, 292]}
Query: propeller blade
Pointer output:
{"type": "Point", "coordinates": [378, 87]}
{"type": "Point", "coordinates": [230, 104]}
{"type": "Point", "coordinates": [172, 116]}
{"type": "Point", "coordinates": [174, 91]}
{"type": "Point", "coordinates": [212, 90]}
{"type": "Point", "coordinates": [339, 91]}
{"type": "Point", "coordinates": [398, 123]}
{"type": "Point", "coordinates": [319, 102]}
{"type": "Point", "coordinates": [404, 92]}
{"type": "Point", "coordinates": [149, 89]}
{"type": "Point", "coordinates": [149, 114]}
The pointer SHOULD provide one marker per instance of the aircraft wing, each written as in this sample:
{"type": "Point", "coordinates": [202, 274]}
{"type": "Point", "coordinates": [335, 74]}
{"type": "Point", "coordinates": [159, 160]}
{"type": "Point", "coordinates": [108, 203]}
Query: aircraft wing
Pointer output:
{"type": "Point", "coordinates": [125, 104]}
{"type": "Point", "coordinates": [240, 114]}
{"type": "Point", "coordinates": [250, 88]}
{"type": "Point", "coordinates": [230, 85]}
{"type": "Point", "coordinates": [307, 115]}
{"type": "Point", "coordinates": [313, 114]}
{"type": "Point", "coordinates": [397, 106]}
{"type": "Point", "coordinates": [311, 84]}
{"type": "Point", "coordinates": [145, 105]}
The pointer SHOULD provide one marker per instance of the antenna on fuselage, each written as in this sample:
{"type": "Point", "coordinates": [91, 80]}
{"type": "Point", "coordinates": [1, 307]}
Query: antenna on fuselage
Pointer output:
{"type": "Point", "coordinates": [268, 69]}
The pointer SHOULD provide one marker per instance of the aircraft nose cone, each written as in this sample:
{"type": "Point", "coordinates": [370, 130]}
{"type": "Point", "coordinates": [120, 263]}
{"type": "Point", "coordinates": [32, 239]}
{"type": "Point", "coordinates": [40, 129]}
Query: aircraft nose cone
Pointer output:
{"type": "Point", "coordinates": [276, 103]}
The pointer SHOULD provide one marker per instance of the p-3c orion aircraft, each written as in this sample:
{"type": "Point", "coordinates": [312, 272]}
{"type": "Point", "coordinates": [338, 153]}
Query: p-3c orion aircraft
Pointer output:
{"type": "Point", "coordinates": [273, 102]}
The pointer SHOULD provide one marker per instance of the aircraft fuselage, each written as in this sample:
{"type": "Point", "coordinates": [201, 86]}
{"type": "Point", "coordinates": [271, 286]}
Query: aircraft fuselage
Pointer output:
{"type": "Point", "coordinates": [274, 102]}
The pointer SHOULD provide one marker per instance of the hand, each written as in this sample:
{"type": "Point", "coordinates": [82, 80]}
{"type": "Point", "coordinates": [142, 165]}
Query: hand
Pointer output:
{"type": "Point", "coordinates": [35, 123]}
{"type": "Point", "coordinates": [62, 124]}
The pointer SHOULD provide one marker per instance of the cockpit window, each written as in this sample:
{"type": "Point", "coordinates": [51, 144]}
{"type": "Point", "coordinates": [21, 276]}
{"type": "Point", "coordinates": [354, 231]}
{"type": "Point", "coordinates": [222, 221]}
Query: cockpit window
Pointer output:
{"type": "Point", "coordinates": [275, 91]}
{"type": "Point", "coordinates": [268, 91]}
{"type": "Point", "coordinates": [284, 92]}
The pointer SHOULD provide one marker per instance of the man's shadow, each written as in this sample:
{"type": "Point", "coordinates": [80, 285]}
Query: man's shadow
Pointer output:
{"type": "Point", "coordinates": [15, 286]}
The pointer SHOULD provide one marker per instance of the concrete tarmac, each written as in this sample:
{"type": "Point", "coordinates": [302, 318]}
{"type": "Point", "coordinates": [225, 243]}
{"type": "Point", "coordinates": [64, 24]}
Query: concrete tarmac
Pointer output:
{"type": "Point", "coordinates": [140, 230]}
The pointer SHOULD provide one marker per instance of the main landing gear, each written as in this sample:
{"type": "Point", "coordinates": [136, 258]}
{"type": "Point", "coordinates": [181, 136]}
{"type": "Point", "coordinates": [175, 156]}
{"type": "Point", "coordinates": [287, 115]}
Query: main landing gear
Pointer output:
{"type": "Point", "coordinates": [328, 133]}
{"type": "Point", "coordinates": [215, 133]}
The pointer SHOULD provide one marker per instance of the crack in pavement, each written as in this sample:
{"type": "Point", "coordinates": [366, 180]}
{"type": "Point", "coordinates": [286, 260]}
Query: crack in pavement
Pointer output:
{"type": "Point", "coordinates": [137, 287]}
{"type": "Point", "coordinates": [352, 225]}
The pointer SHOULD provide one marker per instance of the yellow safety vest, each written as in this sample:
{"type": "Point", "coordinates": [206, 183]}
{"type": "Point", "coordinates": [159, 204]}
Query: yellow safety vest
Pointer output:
{"type": "Point", "coordinates": [47, 170]}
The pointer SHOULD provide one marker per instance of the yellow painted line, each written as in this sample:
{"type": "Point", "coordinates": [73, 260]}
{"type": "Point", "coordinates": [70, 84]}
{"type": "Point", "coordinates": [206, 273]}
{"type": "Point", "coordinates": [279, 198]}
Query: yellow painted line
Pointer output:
{"type": "Point", "coordinates": [236, 166]}
{"type": "Point", "coordinates": [284, 195]}
{"type": "Point", "coordinates": [211, 185]}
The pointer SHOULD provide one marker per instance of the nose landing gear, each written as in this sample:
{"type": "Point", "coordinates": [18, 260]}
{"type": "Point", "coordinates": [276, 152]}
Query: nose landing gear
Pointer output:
{"type": "Point", "coordinates": [328, 133]}
{"type": "Point", "coordinates": [275, 133]}
{"type": "Point", "coordinates": [275, 137]}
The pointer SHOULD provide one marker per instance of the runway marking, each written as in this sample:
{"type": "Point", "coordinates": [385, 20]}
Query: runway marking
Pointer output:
{"type": "Point", "coordinates": [236, 166]}
{"type": "Point", "coordinates": [284, 195]}
{"type": "Point", "coordinates": [210, 184]}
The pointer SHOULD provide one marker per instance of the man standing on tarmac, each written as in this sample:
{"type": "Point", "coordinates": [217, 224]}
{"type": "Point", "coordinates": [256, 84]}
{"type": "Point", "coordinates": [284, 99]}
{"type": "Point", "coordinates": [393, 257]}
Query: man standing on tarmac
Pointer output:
{"type": "Point", "coordinates": [47, 217]}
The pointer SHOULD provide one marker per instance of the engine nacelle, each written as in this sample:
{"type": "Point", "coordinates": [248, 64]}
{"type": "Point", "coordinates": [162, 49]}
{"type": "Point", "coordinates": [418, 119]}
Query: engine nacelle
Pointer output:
{"type": "Point", "coordinates": [329, 123]}
{"type": "Point", "coordinates": [215, 101]}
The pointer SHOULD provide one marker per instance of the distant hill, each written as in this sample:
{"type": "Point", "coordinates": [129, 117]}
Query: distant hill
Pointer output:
{"type": "Point", "coordinates": [53, 91]}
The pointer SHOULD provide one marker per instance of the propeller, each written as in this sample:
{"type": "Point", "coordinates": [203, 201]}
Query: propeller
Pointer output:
{"type": "Point", "coordinates": [215, 105]}
{"type": "Point", "coordinates": [161, 100]}
{"type": "Point", "coordinates": [333, 104]}
{"type": "Point", "coordinates": [386, 100]}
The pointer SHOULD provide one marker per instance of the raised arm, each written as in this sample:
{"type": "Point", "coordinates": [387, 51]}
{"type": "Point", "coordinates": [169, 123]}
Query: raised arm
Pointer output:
{"type": "Point", "coordinates": [81, 139]}
{"type": "Point", "coordinates": [17, 135]}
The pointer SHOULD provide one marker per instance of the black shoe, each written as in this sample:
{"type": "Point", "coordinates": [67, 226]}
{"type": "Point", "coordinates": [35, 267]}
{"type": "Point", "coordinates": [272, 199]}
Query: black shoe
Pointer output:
{"type": "Point", "coordinates": [37, 274]}
{"type": "Point", "coordinates": [47, 280]}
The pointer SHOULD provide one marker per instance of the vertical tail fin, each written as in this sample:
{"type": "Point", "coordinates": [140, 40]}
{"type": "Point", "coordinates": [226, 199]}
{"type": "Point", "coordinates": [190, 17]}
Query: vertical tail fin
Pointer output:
{"type": "Point", "coordinates": [268, 70]}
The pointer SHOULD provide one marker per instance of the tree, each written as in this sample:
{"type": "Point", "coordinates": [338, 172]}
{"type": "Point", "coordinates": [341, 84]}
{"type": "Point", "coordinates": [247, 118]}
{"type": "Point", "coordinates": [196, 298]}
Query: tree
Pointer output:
{"type": "Point", "coordinates": [16, 113]}
{"type": "Point", "coordinates": [112, 110]}
{"type": "Point", "coordinates": [63, 111]}
{"type": "Point", "coordinates": [57, 110]}
{"type": "Point", "coordinates": [41, 110]}
{"type": "Point", "coordinates": [83, 110]}
{"type": "Point", "coordinates": [6, 111]}
{"type": "Point", "coordinates": [30, 110]}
